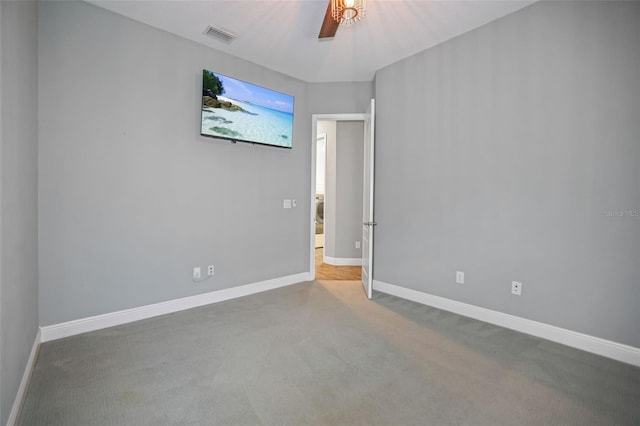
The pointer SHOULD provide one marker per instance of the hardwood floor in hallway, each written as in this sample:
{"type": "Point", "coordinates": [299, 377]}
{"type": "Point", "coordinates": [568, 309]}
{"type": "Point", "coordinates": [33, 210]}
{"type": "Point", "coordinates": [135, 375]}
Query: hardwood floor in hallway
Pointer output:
{"type": "Point", "coordinates": [330, 272]}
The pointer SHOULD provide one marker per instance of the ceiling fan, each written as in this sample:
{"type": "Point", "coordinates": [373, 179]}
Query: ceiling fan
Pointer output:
{"type": "Point", "coordinates": [340, 12]}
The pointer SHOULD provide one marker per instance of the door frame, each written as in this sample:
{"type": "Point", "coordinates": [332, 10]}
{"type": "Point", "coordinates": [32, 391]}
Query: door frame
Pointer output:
{"type": "Point", "coordinates": [312, 207]}
{"type": "Point", "coordinates": [319, 137]}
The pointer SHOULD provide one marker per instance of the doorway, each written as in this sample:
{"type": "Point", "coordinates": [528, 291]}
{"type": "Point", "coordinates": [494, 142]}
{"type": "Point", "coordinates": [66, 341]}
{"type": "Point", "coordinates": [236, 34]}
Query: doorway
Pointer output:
{"type": "Point", "coordinates": [337, 196]}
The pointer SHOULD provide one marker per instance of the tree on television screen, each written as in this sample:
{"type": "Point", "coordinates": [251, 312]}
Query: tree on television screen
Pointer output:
{"type": "Point", "coordinates": [213, 83]}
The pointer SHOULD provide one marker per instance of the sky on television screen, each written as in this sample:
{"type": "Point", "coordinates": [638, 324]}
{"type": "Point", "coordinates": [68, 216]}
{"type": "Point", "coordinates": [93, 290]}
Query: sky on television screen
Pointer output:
{"type": "Point", "coordinates": [243, 91]}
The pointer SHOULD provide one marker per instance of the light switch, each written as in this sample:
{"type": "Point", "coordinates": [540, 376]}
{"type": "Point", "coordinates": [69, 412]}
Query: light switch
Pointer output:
{"type": "Point", "coordinates": [287, 204]}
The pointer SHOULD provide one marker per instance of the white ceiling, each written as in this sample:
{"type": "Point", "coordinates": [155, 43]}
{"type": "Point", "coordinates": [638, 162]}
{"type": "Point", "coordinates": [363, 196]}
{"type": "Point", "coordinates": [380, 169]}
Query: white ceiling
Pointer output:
{"type": "Point", "coordinates": [283, 35]}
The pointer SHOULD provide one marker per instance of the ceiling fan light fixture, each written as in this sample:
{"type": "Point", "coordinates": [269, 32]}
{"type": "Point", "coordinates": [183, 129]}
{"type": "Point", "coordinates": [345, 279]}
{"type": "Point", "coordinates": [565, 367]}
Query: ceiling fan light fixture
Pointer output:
{"type": "Point", "coordinates": [348, 11]}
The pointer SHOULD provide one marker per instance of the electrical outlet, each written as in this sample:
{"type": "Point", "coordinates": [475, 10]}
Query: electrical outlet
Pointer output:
{"type": "Point", "coordinates": [210, 271]}
{"type": "Point", "coordinates": [197, 273]}
{"type": "Point", "coordinates": [460, 277]}
{"type": "Point", "coordinates": [516, 288]}
{"type": "Point", "coordinates": [357, 244]}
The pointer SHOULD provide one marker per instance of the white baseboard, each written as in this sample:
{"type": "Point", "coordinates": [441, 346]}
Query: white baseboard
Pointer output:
{"type": "Point", "coordinates": [26, 376]}
{"type": "Point", "coordinates": [607, 348]}
{"type": "Point", "coordinates": [98, 322]}
{"type": "Point", "coordinates": [342, 261]}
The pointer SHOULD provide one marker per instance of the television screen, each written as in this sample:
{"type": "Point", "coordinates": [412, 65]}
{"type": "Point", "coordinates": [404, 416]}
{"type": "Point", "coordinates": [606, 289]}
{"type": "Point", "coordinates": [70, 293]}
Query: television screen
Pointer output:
{"type": "Point", "coordinates": [243, 112]}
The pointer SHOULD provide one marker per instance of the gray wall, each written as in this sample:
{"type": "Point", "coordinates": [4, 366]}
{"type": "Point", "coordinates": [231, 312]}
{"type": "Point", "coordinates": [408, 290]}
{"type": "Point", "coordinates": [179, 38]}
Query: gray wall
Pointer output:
{"type": "Point", "coordinates": [349, 163]}
{"type": "Point", "coordinates": [131, 196]}
{"type": "Point", "coordinates": [343, 188]}
{"type": "Point", "coordinates": [339, 98]}
{"type": "Point", "coordinates": [335, 98]}
{"type": "Point", "coordinates": [511, 153]}
{"type": "Point", "coordinates": [18, 195]}
{"type": "Point", "coordinates": [329, 128]}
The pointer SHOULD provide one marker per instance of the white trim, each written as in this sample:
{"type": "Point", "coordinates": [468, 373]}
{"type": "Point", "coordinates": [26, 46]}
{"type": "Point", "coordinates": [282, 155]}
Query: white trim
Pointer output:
{"type": "Point", "coordinates": [596, 345]}
{"type": "Point", "coordinates": [26, 377]}
{"type": "Point", "coordinates": [342, 261]}
{"type": "Point", "coordinates": [320, 137]}
{"type": "Point", "coordinates": [312, 216]}
{"type": "Point", "coordinates": [360, 116]}
{"type": "Point", "coordinates": [98, 322]}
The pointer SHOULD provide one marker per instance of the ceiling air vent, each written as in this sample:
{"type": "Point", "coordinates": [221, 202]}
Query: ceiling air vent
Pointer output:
{"type": "Point", "coordinates": [222, 35]}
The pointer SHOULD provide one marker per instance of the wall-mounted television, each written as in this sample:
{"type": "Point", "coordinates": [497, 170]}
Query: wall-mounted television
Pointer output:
{"type": "Point", "coordinates": [244, 112]}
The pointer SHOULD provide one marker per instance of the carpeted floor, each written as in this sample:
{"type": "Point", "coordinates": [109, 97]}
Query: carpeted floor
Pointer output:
{"type": "Point", "coordinates": [319, 353]}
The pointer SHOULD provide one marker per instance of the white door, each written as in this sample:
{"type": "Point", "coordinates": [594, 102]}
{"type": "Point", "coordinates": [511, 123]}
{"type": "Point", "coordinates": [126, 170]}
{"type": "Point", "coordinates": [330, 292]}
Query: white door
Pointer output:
{"type": "Point", "coordinates": [367, 197]}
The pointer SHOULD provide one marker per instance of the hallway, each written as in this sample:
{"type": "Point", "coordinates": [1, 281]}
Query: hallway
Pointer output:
{"type": "Point", "coordinates": [330, 272]}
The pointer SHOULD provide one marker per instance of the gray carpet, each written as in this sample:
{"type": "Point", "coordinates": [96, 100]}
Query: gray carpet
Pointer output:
{"type": "Point", "coordinates": [321, 354]}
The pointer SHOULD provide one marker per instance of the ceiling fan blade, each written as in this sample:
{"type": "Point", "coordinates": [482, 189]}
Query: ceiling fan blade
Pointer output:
{"type": "Point", "coordinates": [329, 25]}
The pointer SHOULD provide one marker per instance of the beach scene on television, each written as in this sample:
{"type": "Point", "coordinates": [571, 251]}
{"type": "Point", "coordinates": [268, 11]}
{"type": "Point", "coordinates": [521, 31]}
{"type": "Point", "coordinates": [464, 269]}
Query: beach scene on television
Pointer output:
{"type": "Point", "coordinates": [237, 110]}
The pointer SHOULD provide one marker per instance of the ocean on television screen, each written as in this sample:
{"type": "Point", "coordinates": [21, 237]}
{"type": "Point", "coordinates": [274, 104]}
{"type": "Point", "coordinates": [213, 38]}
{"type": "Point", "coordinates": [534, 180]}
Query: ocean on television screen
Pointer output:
{"type": "Point", "coordinates": [218, 119]}
{"type": "Point", "coordinates": [226, 132]}
{"type": "Point", "coordinates": [248, 122]}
